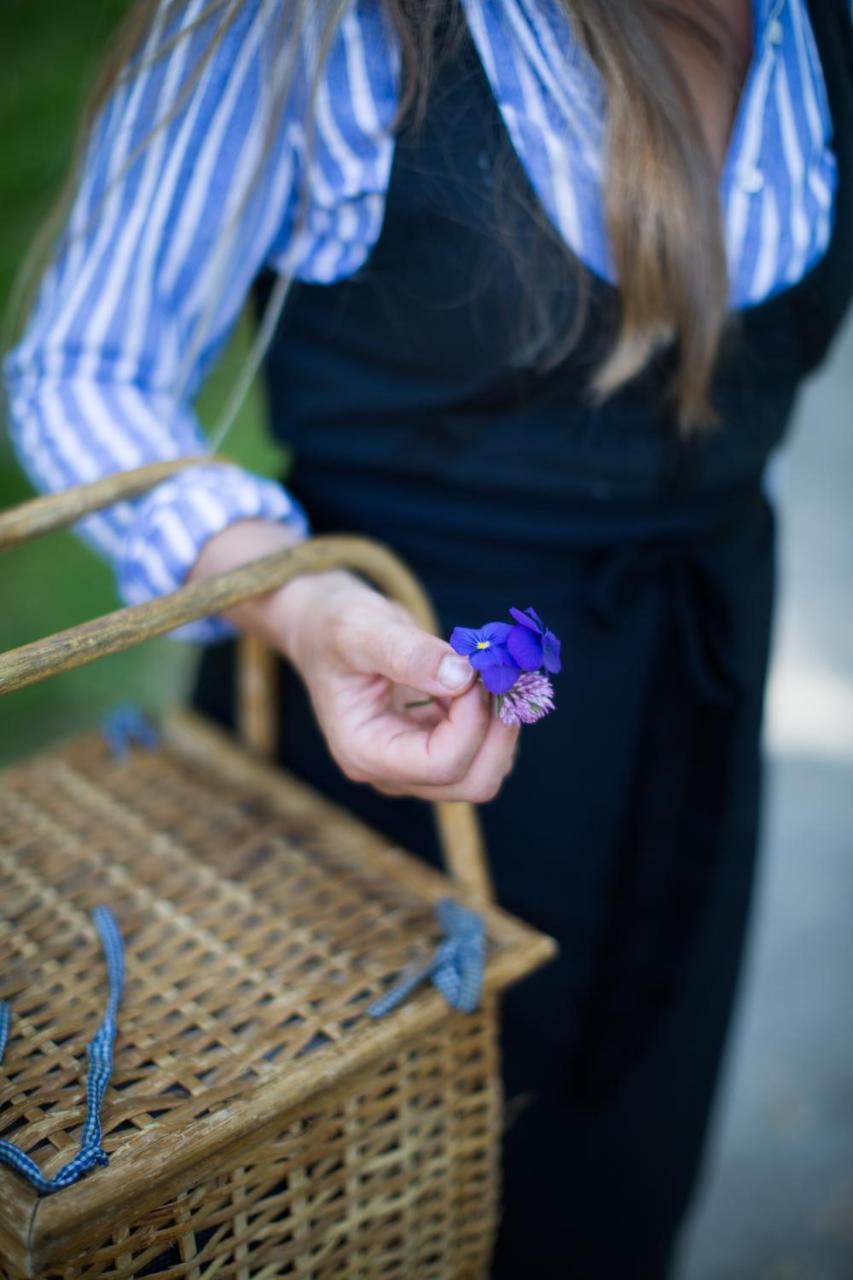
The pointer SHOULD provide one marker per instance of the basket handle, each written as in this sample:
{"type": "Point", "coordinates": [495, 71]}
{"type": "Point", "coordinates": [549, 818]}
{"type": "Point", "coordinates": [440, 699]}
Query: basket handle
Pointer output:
{"type": "Point", "coordinates": [457, 821]}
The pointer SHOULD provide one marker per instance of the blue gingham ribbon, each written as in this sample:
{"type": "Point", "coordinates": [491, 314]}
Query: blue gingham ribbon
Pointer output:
{"type": "Point", "coordinates": [456, 968]}
{"type": "Point", "coordinates": [100, 1055]}
{"type": "Point", "coordinates": [125, 725]}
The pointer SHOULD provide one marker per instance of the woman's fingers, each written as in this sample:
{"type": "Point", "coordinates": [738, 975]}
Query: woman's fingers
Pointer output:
{"type": "Point", "coordinates": [363, 659]}
{"type": "Point", "coordinates": [481, 783]}
{"type": "Point", "coordinates": [418, 707]}
{"type": "Point", "coordinates": [392, 749]}
{"type": "Point", "coordinates": [404, 654]}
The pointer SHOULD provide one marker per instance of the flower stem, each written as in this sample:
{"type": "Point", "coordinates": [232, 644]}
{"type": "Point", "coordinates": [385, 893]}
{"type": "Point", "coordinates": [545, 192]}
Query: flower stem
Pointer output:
{"type": "Point", "coordinates": [424, 702]}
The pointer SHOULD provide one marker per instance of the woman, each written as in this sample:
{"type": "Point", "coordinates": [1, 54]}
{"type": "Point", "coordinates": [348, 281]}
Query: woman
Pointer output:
{"type": "Point", "coordinates": [559, 270]}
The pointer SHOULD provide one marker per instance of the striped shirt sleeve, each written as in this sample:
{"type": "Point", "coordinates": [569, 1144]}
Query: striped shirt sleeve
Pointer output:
{"type": "Point", "coordinates": [124, 327]}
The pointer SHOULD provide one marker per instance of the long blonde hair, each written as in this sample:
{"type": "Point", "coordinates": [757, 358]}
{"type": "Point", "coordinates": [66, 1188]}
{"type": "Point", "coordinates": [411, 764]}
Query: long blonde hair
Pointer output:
{"type": "Point", "coordinates": [660, 185]}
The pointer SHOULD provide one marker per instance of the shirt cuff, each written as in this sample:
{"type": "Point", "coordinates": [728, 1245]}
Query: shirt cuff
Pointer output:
{"type": "Point", "coordinates": [174, 521]}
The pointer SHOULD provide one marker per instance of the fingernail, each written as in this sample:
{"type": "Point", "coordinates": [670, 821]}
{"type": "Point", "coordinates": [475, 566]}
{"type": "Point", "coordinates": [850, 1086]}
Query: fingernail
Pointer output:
{"type": "Point", "coordinates": [454, 672]}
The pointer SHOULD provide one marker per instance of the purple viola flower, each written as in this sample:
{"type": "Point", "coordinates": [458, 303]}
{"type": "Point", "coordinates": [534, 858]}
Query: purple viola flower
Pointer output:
{"type": "Point", "coordinates": [529, 699]}
{"type": "Point", "coordinates": [485, 648]}
{"type": "Point", "coordinates": [531, 643]}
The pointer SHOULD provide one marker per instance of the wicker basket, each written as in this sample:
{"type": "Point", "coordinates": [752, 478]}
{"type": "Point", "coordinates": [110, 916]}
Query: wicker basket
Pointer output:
{"type": "Point", "coordinates": [258, 1122]}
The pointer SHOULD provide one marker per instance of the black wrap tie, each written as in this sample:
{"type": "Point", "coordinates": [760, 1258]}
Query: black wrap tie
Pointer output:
{"type": "Point", "coordinates": [674, 820]}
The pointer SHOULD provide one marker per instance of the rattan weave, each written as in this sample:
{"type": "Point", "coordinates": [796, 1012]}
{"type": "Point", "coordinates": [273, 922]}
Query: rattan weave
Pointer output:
{"type": "Point", "coordinates": [258, 1122]}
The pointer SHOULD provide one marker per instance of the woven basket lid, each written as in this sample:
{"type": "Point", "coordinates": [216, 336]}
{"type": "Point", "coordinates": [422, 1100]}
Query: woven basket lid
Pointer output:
{"type": "Point", "coordinates": [260, 922]}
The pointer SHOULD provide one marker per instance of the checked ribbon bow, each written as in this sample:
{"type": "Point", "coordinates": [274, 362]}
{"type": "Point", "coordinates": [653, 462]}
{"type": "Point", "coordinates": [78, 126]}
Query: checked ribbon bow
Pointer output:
{"type": "Point", "coordinates": [456, 968]}
{"type": "Point", "coordinates": [100, 1057]}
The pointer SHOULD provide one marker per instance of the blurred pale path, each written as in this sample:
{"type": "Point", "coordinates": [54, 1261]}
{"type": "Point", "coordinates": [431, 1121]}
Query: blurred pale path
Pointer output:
{"type": "Point", "coordinates": [777, 1201]}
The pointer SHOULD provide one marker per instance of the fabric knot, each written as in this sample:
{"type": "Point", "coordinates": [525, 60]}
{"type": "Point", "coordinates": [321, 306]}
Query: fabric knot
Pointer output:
{"type": "Point", "coordinates": [456, 968]}
{"type": "Point", "coordinates": [95, 1156]}
{"type": "Point", "coordinates": [697, 607]}
{"type": "Point", "coordinates": [126, 725]}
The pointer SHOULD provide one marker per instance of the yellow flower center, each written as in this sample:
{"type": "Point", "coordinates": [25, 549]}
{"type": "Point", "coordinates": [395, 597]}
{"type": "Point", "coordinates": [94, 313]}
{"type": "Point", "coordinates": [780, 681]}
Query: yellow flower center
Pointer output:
{"type": "Point", "coordinates": [483, 644]}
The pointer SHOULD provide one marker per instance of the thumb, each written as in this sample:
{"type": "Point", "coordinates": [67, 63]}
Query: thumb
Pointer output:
{"type": "Point", "coordinates": [407, 655]}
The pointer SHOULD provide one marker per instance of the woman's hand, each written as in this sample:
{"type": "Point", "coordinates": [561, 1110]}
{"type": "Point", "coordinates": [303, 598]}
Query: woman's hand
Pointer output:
{"type": "Point", "coordinates": [363, 658]}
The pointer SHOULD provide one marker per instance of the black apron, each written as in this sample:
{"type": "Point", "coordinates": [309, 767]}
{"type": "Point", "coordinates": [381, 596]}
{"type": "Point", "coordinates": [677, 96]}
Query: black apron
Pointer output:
{"type": "Point", "coordinates": [428, 408]}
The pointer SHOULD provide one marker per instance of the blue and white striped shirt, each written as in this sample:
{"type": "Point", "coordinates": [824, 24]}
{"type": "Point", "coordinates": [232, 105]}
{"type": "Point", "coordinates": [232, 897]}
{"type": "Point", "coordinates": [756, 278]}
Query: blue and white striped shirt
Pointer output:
{"type": "Point", "coordinates": [163, 241]}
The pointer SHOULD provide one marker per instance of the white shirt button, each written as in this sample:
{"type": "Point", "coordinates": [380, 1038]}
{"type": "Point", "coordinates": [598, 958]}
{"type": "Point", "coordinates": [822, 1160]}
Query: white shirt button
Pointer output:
{"type": "Point", "coordinates": [751, 180]}
{"type": "Point", "coordinates": [774, 32]}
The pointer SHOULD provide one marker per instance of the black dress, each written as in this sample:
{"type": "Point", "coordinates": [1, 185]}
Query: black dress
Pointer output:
{"type": "Point", "coordinates": [628, 827]}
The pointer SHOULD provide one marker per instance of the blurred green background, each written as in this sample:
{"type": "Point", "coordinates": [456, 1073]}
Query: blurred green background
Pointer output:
{"type": "Point", "coordinates": [52, 583]}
